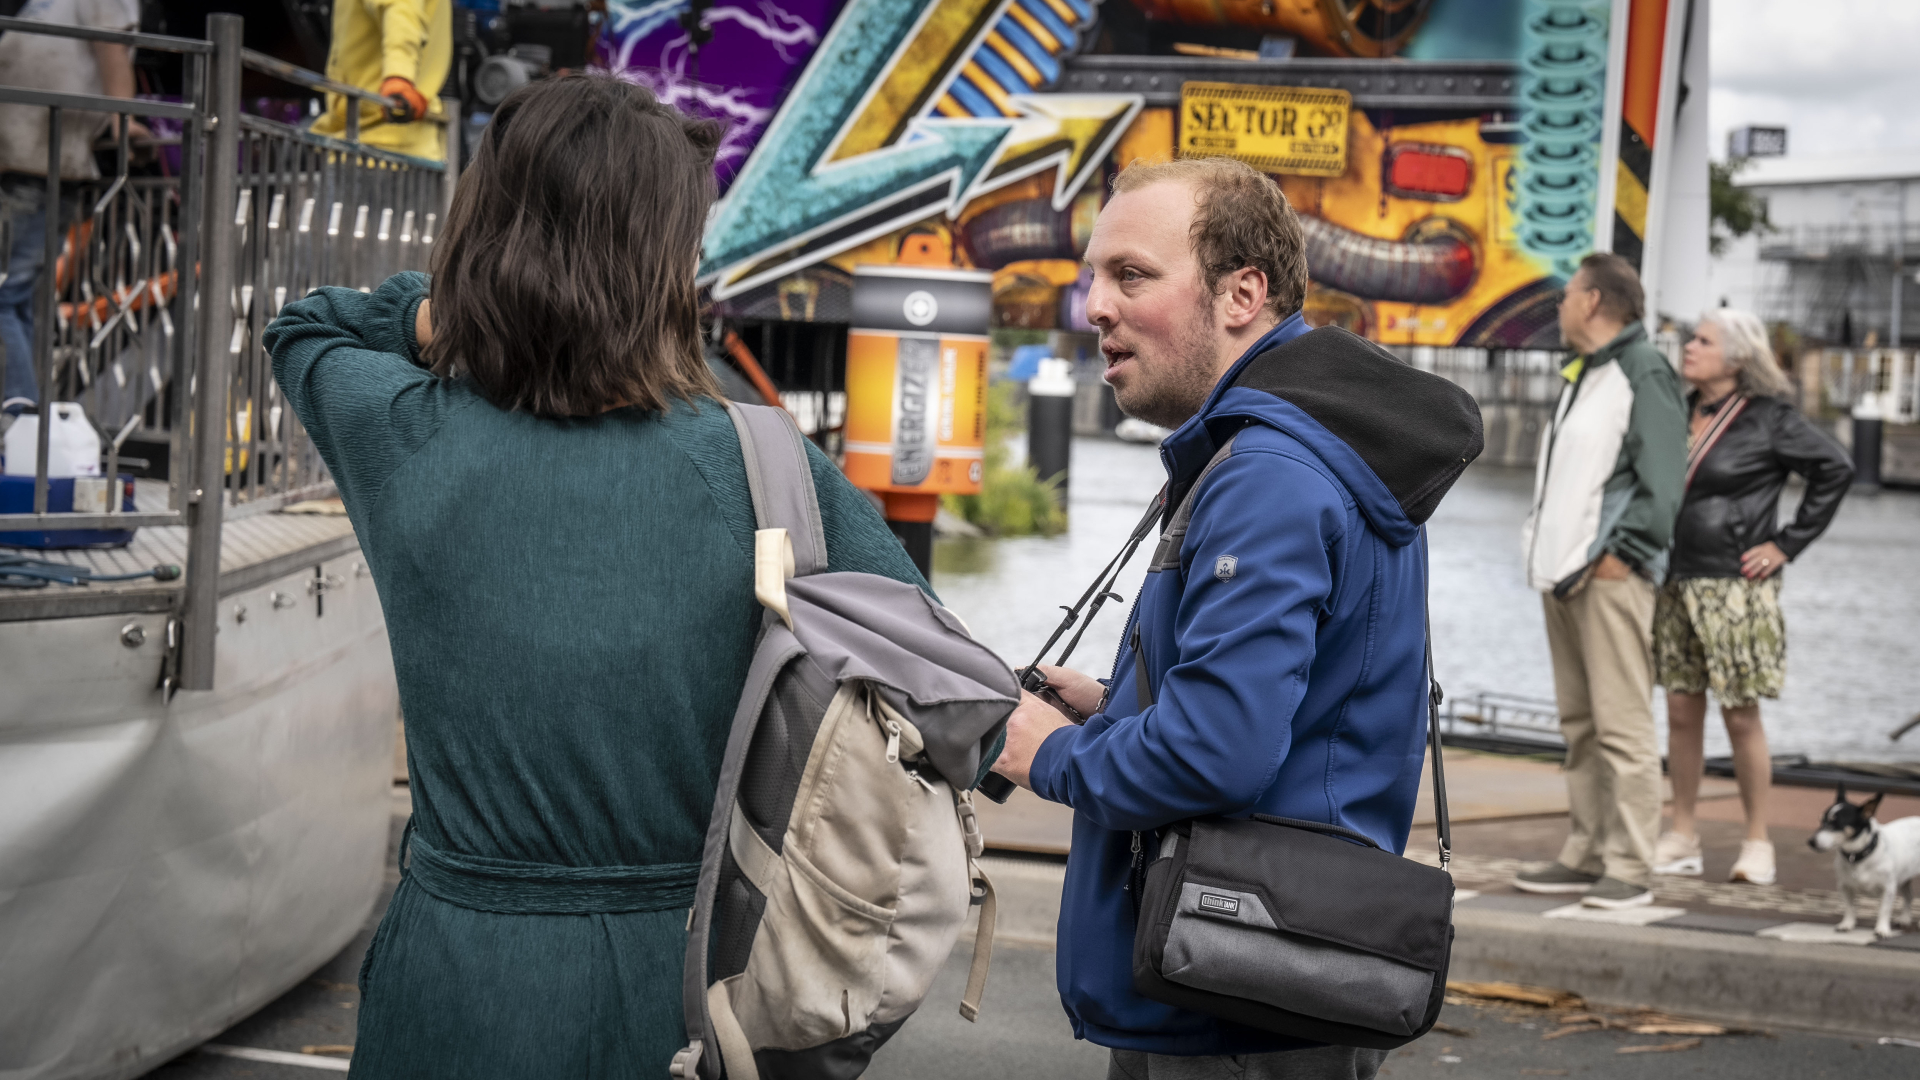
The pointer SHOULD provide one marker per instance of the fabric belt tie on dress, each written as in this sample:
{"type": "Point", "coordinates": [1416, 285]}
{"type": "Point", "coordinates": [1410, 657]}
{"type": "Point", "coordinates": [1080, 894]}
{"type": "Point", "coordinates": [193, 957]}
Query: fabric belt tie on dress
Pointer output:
{"type": "Point", "coordinates": [522, 888]}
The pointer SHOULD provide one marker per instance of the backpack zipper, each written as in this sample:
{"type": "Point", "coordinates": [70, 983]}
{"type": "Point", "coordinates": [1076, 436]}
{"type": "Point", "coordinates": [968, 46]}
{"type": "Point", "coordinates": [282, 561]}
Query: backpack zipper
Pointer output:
{"type": "Point", "coordinates": [893, 755]}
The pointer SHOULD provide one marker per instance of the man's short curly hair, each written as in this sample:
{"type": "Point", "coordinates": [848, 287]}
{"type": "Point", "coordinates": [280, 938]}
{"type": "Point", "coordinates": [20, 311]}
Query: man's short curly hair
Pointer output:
{"type": "Point", "coordinates": [1242, 220]}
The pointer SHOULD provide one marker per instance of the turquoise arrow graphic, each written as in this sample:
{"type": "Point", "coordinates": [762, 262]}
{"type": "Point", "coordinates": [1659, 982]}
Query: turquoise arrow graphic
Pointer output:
{"type": "Point", "coordinates": [787, 209]}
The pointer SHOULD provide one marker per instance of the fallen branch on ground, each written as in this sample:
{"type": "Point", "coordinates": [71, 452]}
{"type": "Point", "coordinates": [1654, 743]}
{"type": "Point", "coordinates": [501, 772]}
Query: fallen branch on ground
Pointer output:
{"type": "Point", "coordinates": [1505, 991]}
{"type": "Point", "coordinates": [1684, 1044]}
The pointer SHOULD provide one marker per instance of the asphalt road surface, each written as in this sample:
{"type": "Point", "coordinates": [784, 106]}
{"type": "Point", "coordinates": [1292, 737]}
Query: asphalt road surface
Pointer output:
{"type": "Point", "coordinates": [1023, 1033]}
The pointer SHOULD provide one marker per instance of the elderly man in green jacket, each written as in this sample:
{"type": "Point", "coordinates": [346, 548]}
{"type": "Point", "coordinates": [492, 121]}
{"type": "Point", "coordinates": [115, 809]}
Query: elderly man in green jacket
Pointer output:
{"type": "Point", "coordinates": [1610, 477]}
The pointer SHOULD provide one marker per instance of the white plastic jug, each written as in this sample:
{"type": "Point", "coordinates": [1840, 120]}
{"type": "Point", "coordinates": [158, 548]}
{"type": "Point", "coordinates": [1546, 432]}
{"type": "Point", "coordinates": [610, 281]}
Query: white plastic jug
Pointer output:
{"type": "Point", "coordinates": [73, 447]}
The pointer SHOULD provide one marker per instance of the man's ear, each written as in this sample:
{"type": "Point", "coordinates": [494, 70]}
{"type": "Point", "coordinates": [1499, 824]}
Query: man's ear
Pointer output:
{"type": "Point", "coordinates": [1245, 291]}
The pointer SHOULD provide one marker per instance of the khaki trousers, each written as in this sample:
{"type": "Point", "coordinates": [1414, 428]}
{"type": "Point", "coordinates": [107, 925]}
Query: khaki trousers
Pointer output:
{"type": "Point", "coordinates": [1602, 644]}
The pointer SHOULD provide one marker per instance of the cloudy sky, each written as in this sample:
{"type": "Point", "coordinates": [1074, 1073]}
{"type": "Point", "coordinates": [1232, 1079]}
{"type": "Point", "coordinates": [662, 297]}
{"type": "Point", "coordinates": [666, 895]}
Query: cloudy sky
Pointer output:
{"type": "Point", "coordinates": [1842, 75]}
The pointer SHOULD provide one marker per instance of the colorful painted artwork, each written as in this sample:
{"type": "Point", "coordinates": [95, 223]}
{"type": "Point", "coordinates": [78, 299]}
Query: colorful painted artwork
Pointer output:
{"type": "Point", "coordinates": [1457, 165]}
{"type": "Point", "coordinates": [739, 77]}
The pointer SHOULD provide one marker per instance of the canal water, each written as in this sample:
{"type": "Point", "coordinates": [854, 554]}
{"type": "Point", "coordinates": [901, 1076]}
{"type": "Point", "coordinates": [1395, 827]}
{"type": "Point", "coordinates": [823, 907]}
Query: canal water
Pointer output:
{"type": "Point", "coordinates": [1852, 601]}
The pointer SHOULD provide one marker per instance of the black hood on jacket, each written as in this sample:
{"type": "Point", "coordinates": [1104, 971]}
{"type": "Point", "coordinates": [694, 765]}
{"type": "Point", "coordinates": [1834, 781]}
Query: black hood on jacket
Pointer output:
{"type": "Point", "coordinates": [1415, 430]}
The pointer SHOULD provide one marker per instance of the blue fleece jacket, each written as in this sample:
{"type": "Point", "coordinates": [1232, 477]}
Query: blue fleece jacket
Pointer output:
{"type": "Point", "coordinates": [1294, 686]}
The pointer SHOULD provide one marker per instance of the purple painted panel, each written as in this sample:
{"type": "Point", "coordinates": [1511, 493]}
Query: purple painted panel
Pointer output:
{"type": "Point", "coordinates": [740, 77]}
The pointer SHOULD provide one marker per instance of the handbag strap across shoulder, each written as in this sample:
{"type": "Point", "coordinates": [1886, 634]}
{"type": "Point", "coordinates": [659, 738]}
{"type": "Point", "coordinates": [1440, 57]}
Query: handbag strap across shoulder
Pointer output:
{"type": "Point", "coordinates": [1697, 452]}
{"type": "Point", "coordinates": [1167, 556]}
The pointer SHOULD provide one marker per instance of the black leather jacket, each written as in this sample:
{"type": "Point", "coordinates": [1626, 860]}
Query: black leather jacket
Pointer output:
{"type": "Point", "coordinates": [1733, 502]}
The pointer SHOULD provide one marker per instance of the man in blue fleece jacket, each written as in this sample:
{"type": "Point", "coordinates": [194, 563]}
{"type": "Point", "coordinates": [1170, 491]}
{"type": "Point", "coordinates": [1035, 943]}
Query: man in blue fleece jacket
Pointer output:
{"type": "Point", "coordinates": [1281, 640]}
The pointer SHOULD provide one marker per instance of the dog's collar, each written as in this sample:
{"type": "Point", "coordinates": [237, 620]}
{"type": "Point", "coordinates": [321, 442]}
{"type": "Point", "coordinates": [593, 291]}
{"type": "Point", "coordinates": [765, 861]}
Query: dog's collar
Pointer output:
{"type": "Point", "coordinates": [1856, 856]}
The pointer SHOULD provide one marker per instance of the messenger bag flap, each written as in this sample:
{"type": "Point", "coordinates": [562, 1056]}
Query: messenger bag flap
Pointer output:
{"type": "Point", "coordinates": [1327, 888]}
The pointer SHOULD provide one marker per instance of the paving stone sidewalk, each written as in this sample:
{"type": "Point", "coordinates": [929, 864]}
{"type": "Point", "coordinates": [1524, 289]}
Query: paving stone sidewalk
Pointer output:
{"type": "Point", "coordinates": [1802, 905]}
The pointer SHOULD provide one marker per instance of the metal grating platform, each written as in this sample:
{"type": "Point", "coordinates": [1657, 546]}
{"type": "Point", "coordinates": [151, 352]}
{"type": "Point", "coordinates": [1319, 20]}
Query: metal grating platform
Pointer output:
{"type": "Point", "coordinates": [253, 551]}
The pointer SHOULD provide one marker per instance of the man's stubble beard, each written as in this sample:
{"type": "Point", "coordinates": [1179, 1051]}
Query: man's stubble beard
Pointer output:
{"type": "Point", "coordinates": [1169, 392]}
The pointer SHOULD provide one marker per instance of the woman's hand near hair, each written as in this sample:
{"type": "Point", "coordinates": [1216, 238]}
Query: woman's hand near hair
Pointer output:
{"type": "Point", "coordinates": [1763, 562]}
{"type": "Point", "coordinates": [422, 326]}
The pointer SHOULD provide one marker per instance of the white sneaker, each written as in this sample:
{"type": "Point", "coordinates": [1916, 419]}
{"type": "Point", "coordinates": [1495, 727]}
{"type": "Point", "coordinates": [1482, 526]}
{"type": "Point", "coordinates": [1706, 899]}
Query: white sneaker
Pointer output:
{"type": "Point", "coordinates": [1675, 853]}
{"type": "Point", "coordinates": [1755, 864]}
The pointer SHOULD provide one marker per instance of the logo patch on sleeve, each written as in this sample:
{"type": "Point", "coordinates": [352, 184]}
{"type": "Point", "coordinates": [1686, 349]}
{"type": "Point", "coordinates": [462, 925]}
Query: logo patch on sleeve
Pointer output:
{"type": "Point", "coordinates": [1225, 566]}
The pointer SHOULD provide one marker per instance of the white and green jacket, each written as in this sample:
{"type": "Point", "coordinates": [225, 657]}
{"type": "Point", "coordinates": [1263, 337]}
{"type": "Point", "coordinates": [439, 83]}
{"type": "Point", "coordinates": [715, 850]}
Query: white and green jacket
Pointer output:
{"type": "Point", "coordinates": [1612, 465]}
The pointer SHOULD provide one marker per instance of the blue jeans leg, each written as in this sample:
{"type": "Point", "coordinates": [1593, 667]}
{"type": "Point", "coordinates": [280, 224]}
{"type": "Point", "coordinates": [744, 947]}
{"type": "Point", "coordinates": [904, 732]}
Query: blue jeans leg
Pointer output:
{"type": "Point", "coordinates": [24, 204]}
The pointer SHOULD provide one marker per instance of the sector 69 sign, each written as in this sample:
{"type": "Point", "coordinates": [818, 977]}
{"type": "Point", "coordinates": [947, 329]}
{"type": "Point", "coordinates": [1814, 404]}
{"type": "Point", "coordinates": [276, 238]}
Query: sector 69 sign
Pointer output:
{"type": "Point", "coordinates": [1300, 131]}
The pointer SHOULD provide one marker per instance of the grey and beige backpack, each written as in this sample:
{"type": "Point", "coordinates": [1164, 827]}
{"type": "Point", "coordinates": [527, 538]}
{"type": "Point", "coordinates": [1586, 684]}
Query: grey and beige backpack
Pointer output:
{"type": "Point", "coordinates": [840, 860]}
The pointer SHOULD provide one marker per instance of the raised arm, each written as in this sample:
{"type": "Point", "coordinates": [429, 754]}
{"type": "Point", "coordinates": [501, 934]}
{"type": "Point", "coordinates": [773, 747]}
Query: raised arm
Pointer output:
{"type": "Point", "coordinates": [347, 363]}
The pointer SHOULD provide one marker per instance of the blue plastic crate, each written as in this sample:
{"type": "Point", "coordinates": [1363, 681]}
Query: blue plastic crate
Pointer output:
{"type": "Point", "coordinates": [16, 497]}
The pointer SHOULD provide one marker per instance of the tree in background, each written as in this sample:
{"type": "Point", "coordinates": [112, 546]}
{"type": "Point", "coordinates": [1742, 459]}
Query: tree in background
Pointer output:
{"type": "Point", "coordinates": [1735, 211]}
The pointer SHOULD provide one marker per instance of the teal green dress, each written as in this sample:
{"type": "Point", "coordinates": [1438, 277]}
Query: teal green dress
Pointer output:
{"type": "Point", "coordinates": [570, 606]}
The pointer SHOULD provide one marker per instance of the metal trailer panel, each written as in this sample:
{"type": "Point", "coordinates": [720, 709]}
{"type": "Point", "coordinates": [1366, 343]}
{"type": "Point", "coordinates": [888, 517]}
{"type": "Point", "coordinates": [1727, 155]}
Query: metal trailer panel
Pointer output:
{"type": "Point", "coordinates": [167, 868]}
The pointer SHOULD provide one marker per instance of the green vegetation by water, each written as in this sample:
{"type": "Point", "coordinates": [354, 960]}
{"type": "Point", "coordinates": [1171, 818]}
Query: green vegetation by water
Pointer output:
{"type": "Point", "coordinates": [1013, 500]}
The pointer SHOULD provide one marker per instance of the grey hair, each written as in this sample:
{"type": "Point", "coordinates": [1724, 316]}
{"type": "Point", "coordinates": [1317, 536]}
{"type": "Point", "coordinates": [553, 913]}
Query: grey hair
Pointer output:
{"type": "Point", "coordinates": [1745, 345]}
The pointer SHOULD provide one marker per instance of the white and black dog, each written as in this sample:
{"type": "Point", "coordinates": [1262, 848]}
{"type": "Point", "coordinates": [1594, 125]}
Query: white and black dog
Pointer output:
{"type": "Point", "coordinates": [1870, 858]}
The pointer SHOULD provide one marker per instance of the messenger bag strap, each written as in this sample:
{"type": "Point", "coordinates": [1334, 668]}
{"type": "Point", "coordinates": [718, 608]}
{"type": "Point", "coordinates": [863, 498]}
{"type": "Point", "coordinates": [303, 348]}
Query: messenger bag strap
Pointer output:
{"type": "Point", "coordinates": [1442, 821]}
{"type": "Point", "coordinates": [1166, 556]}
{"type": "Point", "coordinates": [780, 478]}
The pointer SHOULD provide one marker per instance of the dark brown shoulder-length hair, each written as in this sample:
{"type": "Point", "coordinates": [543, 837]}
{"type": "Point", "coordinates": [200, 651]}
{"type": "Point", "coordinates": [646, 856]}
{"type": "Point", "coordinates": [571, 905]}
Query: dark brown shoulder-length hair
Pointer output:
{"type": "Point", "coordinates": [563, 283]}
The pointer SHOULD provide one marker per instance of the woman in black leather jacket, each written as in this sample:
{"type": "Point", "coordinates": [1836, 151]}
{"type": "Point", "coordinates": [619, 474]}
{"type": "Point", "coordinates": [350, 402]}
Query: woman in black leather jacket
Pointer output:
{"type": "Point", "coordinates": [1717, 623]}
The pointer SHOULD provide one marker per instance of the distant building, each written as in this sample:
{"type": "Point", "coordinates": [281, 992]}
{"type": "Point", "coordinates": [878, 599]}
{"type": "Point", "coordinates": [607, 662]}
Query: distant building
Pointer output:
{"type": "Point", "coordinates": [1752, 142]}
{"type": "Point", "coordinates": [1827, 266]}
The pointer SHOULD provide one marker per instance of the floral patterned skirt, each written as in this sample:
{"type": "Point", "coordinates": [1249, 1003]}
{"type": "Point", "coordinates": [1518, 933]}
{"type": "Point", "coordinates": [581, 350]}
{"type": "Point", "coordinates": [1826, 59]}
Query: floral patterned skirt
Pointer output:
{"type": "Point", "coordinates": [1723, 634]}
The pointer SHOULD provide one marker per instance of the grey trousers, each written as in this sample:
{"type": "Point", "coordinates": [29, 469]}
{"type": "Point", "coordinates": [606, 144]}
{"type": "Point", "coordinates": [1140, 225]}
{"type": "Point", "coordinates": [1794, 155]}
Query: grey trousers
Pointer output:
{"type": "Point", "coordinates": [1319, 1063]}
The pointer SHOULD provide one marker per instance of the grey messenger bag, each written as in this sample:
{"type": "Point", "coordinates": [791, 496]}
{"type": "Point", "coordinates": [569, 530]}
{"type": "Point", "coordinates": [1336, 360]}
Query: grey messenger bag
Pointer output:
{"type": "Point", "coordinates": [1300, 928]}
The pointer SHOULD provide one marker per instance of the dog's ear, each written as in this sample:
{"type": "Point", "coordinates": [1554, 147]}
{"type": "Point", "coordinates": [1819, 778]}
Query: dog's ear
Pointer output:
{"type": "Point", "coordinates": [1840, 792]}
{"type": "Point", "coordinates": [1867, 808]}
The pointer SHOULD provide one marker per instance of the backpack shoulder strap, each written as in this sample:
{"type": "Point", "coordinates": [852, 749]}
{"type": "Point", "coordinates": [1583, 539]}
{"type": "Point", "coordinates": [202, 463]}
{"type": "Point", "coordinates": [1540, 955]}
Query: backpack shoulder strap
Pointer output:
{"type": "Point", "coordinates": [697, 1061]}
{"type": "Point", "coordinates": [781, 481]}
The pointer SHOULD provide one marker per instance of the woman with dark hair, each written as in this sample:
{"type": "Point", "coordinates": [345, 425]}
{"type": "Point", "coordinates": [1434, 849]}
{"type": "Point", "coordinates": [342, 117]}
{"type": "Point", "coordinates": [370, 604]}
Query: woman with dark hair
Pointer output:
{"type": "Point", "coordinates": [1717, 622]}
{"type": "Point", "coordinates": [555, 510]}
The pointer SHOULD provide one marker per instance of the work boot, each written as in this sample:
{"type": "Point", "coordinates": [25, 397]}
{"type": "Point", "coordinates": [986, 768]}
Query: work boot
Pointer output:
{"type": "Point", "coordinates": [1614, 894]}
{"type": "Point", "coordinates": [1677, 853]}
{"type": "Point", "coordinates": [1755, 864]}
{"type": "Point", "coordinates": [1554, 878]}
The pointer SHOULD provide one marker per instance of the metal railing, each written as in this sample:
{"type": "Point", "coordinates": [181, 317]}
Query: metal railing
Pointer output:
{"type": "Point", "coordinates": [1795, 242]}
{"type": "Point", "coordinates": [1507, 723]}
{"type": "Point", "coordinates": [155, 291]}
{"type": "Point", "coordinates": [1493, 376]}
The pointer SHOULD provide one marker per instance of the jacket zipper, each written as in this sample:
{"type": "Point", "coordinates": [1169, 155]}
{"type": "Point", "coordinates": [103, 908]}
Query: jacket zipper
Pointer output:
{"type": "Point", "coordinates": [1546, 471]}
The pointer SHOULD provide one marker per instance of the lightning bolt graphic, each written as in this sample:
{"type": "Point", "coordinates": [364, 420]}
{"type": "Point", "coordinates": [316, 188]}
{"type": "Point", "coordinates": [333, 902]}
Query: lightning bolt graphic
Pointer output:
{"type": "Point", "coordinates": [790, 206]}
